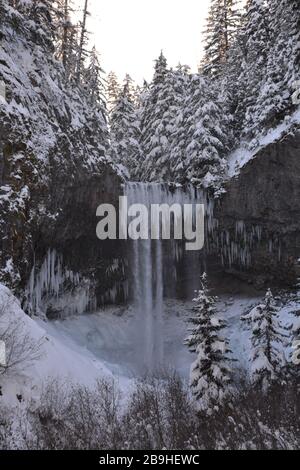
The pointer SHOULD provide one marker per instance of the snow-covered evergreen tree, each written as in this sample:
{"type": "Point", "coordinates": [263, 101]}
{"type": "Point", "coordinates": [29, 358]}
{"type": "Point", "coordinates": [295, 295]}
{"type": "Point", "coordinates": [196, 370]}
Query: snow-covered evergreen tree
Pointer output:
{"type": "Point", "coordinates": [141, 94]}
{"type": "Point", "coordinates": [125, 131]}
{"type": "Point", "coordinates": [130, 86]}
{"type": "Point", "coordinates": [256, 36]}
{"type": "Point", "coordinates": [93, 80]}
{"type": "Point", "coordinates": [185, 128]}
{"type": "Point", "coordinates": [210, 373]}
{"type": "Point", "coordinates": [182, 88]}
{"type": "Point", "coordinates": [233, 88]}
{"type": "Point", "coordinates": [94, 86]}
{"type": "Point", "coordinates": [156, 124]}
{"type": "Point", "coordinates": [83, 41]}
{"type": "Point", "coordinates": [41, 12]}
{"type": "Point", "coordinates": [66, 32]}
{"type": "Point", "coordinates": [222, 24]}
{"type": "Point", "coordinates": [113, 90]}
{"type": "Point", "coordinates": [268, 341]}
{"type": "Point", "coordinates": [72, 53]}
{"type": "Point", "coordinates": [206, 140]}
{"type": "Point", "coordinates": [283, 64]}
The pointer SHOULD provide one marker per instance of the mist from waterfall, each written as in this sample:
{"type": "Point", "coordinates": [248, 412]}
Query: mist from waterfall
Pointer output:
{"type": "Point", "coordinates": [153, 267]}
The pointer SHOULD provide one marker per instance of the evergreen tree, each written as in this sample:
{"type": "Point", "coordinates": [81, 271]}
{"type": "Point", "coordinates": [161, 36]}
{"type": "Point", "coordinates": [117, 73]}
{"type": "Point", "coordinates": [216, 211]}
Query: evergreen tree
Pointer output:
{"type": "Point", "coordinates": [162, 116]}
{"type": "Point", "coordinates": [83, 41]}
{"type": "Point", "coordinates": [210, 374]}
{"type": "Point", "coordinates": [113, 90]}
{"type": "Point", "coordinates": [41, 12]}
{"type": "Point", "coordinates": [140, 100]}
{"type": "Point", "coordinates": [283, 64]}
{"type": "Point", "coordinates": [156, 124]}
{"type": "Point", "coordinates": [233, 88]}
{"type": "Point", "coordinates": [141, 95]}
{"type": "Point", "coordinates": [22, 6]}
{"type": "Point", "coordinates": [93, 81]}
{"type": "Point", "coordinates": [268, 341]}
{"type": "Point", "coordinates": [256, 33]}
{"type": "Point", "coordinates": [130, 86]}
{"type": "Point", "coordinates": [222, 24]}
{"type": "Point", "coordinates": [66, 46]}
{"type": "Point", "coordinates": [125, 131]}
{"type": "Point", "coordinates": [94, 86]}
{"type": "Point", "coordinates": [72, 54]}
{"type": "Point", "coordinates": [206, 141]}
{"type": "Point", "coordinates": [182, 88]}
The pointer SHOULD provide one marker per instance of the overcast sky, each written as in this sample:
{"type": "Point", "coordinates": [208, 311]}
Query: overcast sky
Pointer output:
{"type": "Point", "coordinates": [129, 34]}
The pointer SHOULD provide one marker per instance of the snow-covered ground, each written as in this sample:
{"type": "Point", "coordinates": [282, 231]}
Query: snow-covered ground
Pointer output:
{"type": "Point", "coordinates": [83, 348]}
{"type": "Point", "coordinates": [245, 153]}
{"type": "Point", "coordinates": [57, 358]}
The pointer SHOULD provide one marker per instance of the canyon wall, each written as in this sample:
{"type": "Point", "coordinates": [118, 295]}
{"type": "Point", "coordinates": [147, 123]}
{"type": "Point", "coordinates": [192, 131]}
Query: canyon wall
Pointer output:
{"type": "Point", "coordinates": [259, 215]}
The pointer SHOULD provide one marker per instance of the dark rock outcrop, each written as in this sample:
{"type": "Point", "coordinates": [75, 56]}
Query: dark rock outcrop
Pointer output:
{"type": "Point", "coordinates": [54, 172]}
{"type": "Point", "coordinates": [260, 215]}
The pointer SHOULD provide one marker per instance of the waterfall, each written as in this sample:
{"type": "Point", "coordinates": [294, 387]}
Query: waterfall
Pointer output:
{"type": "Point", "coordinates": [147, 285]}
{"type": "Point", "coordinates": [153, 268]}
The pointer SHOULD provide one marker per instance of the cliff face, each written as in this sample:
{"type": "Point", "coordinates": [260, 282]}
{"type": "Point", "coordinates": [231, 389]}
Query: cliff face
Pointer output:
{"type": "Point", "coordinates": [259, 216]}
{"type": "Point", "coordinates": [54, 172]}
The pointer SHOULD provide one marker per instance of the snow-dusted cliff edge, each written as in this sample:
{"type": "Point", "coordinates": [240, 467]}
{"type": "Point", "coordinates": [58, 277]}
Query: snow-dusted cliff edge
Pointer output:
{"type": "Point", "coordinates": [264, 199]}
{"type": "Point", "coordinates": [54, 169]}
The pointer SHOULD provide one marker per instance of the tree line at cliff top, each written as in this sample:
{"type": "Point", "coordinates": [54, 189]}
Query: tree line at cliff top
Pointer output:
{"type": "Point", "coordinates": [182, 126]}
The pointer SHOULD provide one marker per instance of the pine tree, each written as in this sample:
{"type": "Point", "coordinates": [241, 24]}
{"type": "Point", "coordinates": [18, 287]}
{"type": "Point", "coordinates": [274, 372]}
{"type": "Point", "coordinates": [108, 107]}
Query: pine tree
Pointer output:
{"type": "Point", "coordinates": [41, 12]}
{"type": "Point", "coordinates": [93, 84]}
{"type": "Point", "coordinates": [140, 99]}
{"type": "Point", "coordinates": [234, 89]}
{"type": "Point", "coordinates": [125, 131]}
{"type": "Point", "coordinates": [141, 95]}
{"type": "Point", "coordinates": [222, 25]}
{"type": "Point", "coordinates": [156, 124]}
{"type": "Point", "coordinates": [130, 86]}
{"type": "Point", "coordinates": [93, 81]}
{"type": "Point", "coordinates": [113, 90]}
{"type": "Point", "coordinates": [210, 374]}
{"type": "Point", "coordinates": [182, 91]}
{"type": "Point", "coordinates": [22, 6]}
{"type": "Point", "coordinates": [72, 54]}
{"type": "Point", "coordinates": [66, 46]}
{"type": "Point", "coordinates": [206, 140]}
{"type": "Point", "coordinates": [283, 64]}
{"type": "Point", "coordinates": [161, 115]}
{"type": "Point", "coordinates": [82, 51]}
{"type": "Point", "coordinates": [268, 341]}
{"type": "Point", "coordinates": [256, 34]}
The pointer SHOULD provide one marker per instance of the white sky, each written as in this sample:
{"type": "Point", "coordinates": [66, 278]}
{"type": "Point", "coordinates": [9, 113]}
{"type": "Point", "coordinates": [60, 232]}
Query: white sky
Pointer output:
{"type": "Point", "coordinates": [129, 34]}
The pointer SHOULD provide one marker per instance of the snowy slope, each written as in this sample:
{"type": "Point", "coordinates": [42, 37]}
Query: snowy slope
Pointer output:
{"type": "Point", "coordinates": [58, 358]}
{"type": "Point", "coordinates": [240, 157]}
{"type": "Point", "coordinates": [82, 349]}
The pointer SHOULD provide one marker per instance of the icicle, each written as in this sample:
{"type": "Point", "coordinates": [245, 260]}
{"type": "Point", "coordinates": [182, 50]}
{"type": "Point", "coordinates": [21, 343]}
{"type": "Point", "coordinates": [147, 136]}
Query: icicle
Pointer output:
{"type": "Point", "coordinates": [46, 287]}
